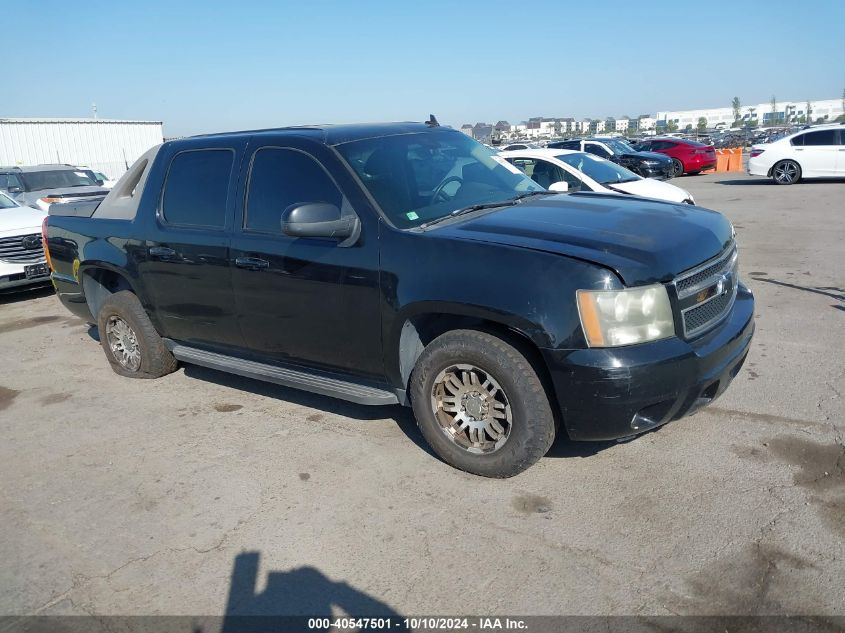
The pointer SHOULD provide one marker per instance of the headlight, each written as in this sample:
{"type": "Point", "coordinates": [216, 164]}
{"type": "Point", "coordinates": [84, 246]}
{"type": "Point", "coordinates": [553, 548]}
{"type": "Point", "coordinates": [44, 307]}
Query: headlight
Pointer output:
{"type": "Point", "coordinates": [624, 317]}
{"type": "Point", "coordinates": [651, 162]}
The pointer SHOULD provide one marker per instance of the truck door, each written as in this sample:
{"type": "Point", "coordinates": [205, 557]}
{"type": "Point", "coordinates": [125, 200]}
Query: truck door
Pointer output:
{"type": "Point", "coordinates": [186, 265]}
{"type": "Point", "coordinates": [312, 301]}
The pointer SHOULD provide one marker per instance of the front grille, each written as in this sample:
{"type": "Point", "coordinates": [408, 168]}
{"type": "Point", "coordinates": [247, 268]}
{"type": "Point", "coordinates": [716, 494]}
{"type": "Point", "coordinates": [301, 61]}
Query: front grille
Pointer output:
{"type": "Point", "coordinates": [12, 249]}
{"type": "Point", "coordinates": [701, 316]}
{"type": "Point", "coordinates": [707, 293]}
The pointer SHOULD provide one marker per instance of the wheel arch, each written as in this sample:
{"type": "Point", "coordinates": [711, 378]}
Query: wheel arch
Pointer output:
{"type": "Point", "coordinates": [792, 159]}
{"type": "Point", "coordinates": [419, 329]}
{"type": "Point", "coordinates": [99, 280]}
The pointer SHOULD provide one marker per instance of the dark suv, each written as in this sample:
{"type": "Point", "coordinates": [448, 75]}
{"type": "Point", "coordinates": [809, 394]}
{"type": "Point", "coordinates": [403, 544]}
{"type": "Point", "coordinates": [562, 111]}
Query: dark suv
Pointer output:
{"type": "Point", "coordinates": [40, 186]}
{"type": "Point", "coordinates": [407, 263]}
{"type": "Point", "coordinates": [646, 164]}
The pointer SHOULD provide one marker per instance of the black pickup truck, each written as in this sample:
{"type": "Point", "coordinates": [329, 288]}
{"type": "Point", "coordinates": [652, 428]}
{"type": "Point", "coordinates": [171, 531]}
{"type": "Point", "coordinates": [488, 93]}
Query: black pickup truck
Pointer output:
{"type": "Point", "coordinates": [406, 263]}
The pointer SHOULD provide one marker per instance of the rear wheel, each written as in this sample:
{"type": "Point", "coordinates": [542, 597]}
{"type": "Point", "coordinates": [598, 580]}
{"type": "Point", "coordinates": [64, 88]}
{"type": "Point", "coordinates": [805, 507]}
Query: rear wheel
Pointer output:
{"type": "Point", "coordinates": [786, 172]}
{"type": "Point", "coordinates": [677, 167]}
{"type": "Point", "coordinates": [480, 404]}
{"type": "Point", "coordinates": [132, 346]}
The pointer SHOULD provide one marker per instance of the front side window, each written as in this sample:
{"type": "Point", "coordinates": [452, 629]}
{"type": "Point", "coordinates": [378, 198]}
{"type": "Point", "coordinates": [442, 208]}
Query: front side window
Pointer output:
{"type": "Point", "coordinates": [822, 137]}
{"type": "Point", "coordinates": [280, 178]}
{"type": "Point", "coordinates": [545, 173]}
{"type": "Point", "coordinates": [59, 179]}
{"type": "Point", "coordinates": [197, 188]}
{"type": "Point", "coordinates": [602, 171]}
{"type": "Point", "coordinates": [10, 181]}
{"type": "Point", "coordinates": [417, 178]}
{"type": "Point", "coordinates": [798, 141]}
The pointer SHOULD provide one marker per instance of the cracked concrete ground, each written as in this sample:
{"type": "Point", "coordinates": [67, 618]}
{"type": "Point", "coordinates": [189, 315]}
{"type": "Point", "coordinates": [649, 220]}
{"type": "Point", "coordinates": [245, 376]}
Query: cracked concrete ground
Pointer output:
{"type": "Point", "coordinates": [202, 493]}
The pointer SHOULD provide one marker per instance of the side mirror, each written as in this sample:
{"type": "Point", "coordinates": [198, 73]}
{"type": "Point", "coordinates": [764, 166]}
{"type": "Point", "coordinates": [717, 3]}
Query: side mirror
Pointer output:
{"type": "Point", "coordinates": [318, 219]}
{"type": "Point", "coordinates": [560, 186]}
{"type": "Point", "coordinates": [99, 182]}
{"type": "Point", "coordinates": [15, 189]}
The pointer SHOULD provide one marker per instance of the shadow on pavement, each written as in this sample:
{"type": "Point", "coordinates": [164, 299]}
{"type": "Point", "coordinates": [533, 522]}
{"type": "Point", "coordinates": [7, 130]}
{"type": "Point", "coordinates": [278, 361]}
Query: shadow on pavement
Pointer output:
{"type": "Point", "coordinates": [827, 291]}
{"type": "Point", "coordinates": [290, 598]}
{"type": "Point", "coordinates": [403, 416]}
{"type": "Point", "coordinates": [25, 294]}
{"type": "Point", "coordinates": [746, 181]}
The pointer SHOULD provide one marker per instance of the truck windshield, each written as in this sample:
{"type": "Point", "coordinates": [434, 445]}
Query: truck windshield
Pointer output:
{"type": "Point", "coordinates": [417, 178]}
{"type": "Point", "coordinates": [602, 171]}
{"type": "Point", "coordinates": [619, 147]}
{"type": "Point", "coordinates": [6, 202]}
{"type": "Point", "coordinates": [58, 179]}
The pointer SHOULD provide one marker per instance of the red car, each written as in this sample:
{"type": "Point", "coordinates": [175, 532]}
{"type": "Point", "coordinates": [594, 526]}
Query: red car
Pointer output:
{"type": "Point", "coordinates": [688, 157]}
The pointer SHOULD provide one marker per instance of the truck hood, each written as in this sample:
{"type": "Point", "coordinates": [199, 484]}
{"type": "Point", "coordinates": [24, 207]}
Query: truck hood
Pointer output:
{"type": "Point", "coordinates": [20, 219]}
{"type": "Point", "coordinates": [643, 241]}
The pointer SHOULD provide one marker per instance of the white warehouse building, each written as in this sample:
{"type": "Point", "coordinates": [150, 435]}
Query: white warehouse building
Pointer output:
{"type": "Point", "coordinates": [786, 112]}
{"type": "Point", "coordinates": [107, 146]}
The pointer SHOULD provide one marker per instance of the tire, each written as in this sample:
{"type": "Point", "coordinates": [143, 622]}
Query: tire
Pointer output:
{"type": "Point", "coordinates": [677, 167]}
{"type": "Point", "coordinates": [123, 324]}
{"type": "Point", "coordinates": [520, 403]}
{"type": "Point", "coordinates": [786, 172]}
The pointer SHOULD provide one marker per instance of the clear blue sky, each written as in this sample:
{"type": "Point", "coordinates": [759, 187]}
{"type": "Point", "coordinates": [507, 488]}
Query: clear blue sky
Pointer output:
{"type": "Point", "coordinates": [212, 66]}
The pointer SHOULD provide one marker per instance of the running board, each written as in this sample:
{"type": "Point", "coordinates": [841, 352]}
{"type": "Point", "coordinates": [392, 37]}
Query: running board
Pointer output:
{"type": "Point", "coordinates": [320, 382]}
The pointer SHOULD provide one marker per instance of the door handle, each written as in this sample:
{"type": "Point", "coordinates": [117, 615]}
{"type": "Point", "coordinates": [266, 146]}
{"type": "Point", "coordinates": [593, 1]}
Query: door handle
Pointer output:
{"type": "Point", "coordinates": [161, 252]}
{"type": "Point", "coordinates": [251, 263]}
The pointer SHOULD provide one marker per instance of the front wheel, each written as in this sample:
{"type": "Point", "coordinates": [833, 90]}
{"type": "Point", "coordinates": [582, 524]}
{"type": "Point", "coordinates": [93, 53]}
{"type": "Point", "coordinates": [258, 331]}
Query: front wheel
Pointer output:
{"type": "Point", "coordinates": [786, 172]}
{"type": "Point", "coordinates": [677, 167]}
{"type": "Point", "coordinates": [480, 404]}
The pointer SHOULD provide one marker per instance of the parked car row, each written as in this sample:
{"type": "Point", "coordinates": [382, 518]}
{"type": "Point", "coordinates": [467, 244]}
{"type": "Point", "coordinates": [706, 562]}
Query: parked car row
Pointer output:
{"type": "Point", "coordinates": [646, 164]}
{"type": "Point", "coordinates": [688, 157]}
{"type": "Point", "coordinates": [580, 171]}
{"type": "Point", "coordinates": [40, 186]}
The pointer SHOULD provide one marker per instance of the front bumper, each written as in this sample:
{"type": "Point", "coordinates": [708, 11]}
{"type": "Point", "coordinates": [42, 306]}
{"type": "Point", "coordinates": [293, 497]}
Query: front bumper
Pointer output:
{"type": "Point", "coordinates": [607, 394]}
{"type": "Point", "coordinates": [661, 171]}
{"type": "Point", "coordinates": [12, 275]}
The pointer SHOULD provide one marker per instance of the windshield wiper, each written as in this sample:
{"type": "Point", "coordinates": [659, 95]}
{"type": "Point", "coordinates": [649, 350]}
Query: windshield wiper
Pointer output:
{"type": "Point", "coordinates": [528, 194]}
{"type": "Point", "coordinates": [612, 188]}
{"type": "Point", "coordinates": [469, 209]}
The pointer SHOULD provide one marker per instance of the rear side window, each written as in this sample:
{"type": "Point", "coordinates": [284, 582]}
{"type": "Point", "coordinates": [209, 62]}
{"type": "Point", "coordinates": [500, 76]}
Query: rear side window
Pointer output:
{"type": "Point", "coordinates": [280, 178]}
{"type": "Point", "coordinates": [196, 188]}
{"type": "Point", "coordinates": [822, 137]}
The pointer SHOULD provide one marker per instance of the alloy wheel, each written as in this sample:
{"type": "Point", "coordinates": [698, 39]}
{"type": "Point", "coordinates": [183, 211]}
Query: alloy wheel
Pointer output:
{"type": "Point", "coordinates": [123, 343]}
{"type": "Point", "coordinates": [786, 172]}
{"type": "Point", "coordinates": [472, 408]}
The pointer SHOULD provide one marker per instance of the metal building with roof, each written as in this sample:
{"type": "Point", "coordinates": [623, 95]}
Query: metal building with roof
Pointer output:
{"type": "Point", "coordinates": [104, 145]}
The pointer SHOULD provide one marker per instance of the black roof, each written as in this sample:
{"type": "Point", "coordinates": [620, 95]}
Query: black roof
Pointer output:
{"type": "Point", "coordinates": [336, 134]}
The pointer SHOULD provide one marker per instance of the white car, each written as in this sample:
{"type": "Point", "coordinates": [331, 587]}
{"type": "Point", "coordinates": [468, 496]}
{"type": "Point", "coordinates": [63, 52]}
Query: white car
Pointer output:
{"type": "Point", "coordinates": [22, 260]}
{"type": "Point", "coordinates": [818, 152]}
{"type": "Point", "coordinates": [107, 182]}
{"type": "Point", "coordinates": [585, 172]}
